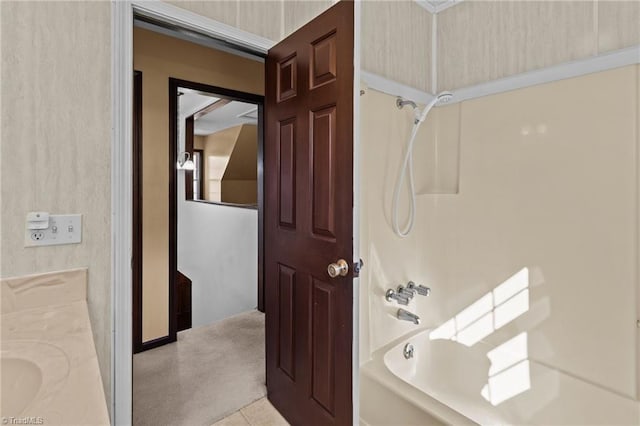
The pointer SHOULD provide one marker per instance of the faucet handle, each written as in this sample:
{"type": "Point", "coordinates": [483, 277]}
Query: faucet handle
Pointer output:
{"type": "Point", "coordinates": [402, 300]}
{"type": "Point", "coordinates": [392, 295]}
{"type": "Point", "coordinates": [420, 289]}
{"type": "Point", "coordinates": [407, 292]}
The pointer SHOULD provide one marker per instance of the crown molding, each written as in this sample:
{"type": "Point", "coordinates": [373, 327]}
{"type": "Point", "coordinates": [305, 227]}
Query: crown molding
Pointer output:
{"type": "Point", "coordinates": [603, 62]}
{"type": "Point", "coordinates": [437, 6]}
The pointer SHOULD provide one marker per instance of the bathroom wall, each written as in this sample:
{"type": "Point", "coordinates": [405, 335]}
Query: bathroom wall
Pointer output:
{"type": "Point", "coordinates": [547, 196]}
{"type": "Point", "coordinates": [55, 153]}
{"type": "Point", "coordinates": [396, 42]}
{"type": "Point", "coordinates": [55, 67]}
{"type": "Point", "coordinates": [160, 57]}
{"type": "Point", "coordinates": [480, 41]}
{"type": "Point", "coordinates": [270, 19]}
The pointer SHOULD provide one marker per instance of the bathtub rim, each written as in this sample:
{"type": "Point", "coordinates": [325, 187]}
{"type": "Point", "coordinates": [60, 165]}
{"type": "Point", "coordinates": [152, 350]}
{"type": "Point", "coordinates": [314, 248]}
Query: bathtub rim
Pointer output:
{"type": "Point", "coordinates": [376, 370]}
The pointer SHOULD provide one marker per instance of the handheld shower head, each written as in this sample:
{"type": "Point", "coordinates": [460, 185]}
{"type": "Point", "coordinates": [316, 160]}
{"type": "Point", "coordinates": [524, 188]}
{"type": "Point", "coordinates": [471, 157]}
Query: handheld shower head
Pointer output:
{"type": "Point", "coordinates": [443, 98]}
{"type": "Point", "coordinates": [439, 99]}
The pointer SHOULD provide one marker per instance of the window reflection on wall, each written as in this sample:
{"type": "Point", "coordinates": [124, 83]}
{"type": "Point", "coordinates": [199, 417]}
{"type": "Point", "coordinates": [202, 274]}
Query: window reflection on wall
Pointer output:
{"type": "Point", "coordinates": [223, 141]}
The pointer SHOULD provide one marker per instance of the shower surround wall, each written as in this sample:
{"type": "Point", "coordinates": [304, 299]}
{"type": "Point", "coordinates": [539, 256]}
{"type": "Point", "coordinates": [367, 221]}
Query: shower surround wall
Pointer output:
{"type": "Point", "coordinates": [544, 193]}
{"type": "Point", "coordinates": [547, 182]}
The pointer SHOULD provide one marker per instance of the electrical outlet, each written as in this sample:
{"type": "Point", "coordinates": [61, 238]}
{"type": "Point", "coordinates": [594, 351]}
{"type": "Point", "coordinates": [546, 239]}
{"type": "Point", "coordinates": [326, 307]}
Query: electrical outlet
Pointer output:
{"type": "Point", "coordinates": [37, 235]}
{"type": "Point", "coordinates": [62, 229]}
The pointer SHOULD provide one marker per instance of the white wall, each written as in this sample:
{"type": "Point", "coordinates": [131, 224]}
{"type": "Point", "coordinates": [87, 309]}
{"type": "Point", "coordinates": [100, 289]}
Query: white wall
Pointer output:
{"type": "Point", "coordinates": [218, 251]}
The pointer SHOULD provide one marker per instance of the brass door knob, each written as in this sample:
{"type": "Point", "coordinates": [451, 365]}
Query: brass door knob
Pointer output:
{"type": "Point", "coordinates": [340, 268]}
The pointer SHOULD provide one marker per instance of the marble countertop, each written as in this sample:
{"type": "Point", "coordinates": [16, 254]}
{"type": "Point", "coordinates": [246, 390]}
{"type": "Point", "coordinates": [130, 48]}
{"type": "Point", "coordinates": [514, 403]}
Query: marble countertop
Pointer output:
{"type": "Point", "coordinates": [56, 337]}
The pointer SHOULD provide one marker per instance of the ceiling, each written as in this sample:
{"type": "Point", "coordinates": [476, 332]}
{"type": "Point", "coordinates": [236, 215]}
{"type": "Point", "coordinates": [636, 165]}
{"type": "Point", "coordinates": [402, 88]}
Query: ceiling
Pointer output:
{"type": "Point", "coordinates": [232, 114]}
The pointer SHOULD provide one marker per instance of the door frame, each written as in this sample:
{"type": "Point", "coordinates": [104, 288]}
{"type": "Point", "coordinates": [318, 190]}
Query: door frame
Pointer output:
{"type": "Point", "coordinates": [223, 93]}
{"type": "Point", "coordinates": [174, 84]}
{"type": "Point", "coordinates": [122, 16]}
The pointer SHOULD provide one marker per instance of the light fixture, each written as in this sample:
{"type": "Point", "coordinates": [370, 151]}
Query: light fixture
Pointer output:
{"type": "Point", "coordinates": [185, 162]}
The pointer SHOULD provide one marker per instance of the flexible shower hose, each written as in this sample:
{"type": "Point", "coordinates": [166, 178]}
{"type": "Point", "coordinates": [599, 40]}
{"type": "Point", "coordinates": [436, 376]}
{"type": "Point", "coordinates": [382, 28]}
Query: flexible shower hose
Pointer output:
{"type": "Point", "coordinates": [408, 164]}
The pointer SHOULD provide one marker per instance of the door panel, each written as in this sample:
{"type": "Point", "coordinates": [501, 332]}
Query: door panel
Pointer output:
{"type": "Point", "coordinates": [309, 220]}
{"type": "Point", "coordinates": [323, 336]}
{"type": "Point", "coordinates": [286, 351]}
{"type": "Point", "coordinates": [323, 141]}
{"type": "Point", "coordinates": [287, 174]}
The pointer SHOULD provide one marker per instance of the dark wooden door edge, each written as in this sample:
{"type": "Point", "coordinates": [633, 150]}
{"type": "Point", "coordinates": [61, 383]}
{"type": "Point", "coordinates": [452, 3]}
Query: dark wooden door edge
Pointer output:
{"type": "Point", "coordinates": [173, 205]}
{"type": "Point", "coordinates": [183, 302]}
{"type": "Point", "coordinates": [261, 207]}
{"type": "Point", "coordinates": [188, 147]}
{"type": "Point", "coordinates": [136, 260]}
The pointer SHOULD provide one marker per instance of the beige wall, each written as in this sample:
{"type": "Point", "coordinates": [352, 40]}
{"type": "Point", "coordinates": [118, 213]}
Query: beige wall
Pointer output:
{"type": "Point", "coordinates": [396, 42]}
{"type": "Point", "coordinates": [56, 62]}
{"type": "Point", "coordinates": [230, 165]}
{"type": "Point", "coordinates": [547, 182]}
{"type": "Point", "coordinates": [240, 180]}
{"type": "Point", "coordinates": [56, 149]}
{"type": "Point", "coordinates": [270, 19]}
{"type": "Point", "coordinates": [240, 191]}
{"type": "Point", "coordinates": [160, 57]}
{"type": "Point", "coordinates": [199, 142]}
{"type": "Point", "coordinates": [480, 41]}
{"type": "Point", "coordinates": [217, 151]}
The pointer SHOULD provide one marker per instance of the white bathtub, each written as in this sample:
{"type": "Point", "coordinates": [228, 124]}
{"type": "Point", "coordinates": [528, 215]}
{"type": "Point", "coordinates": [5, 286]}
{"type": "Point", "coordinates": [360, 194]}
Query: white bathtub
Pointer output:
{"type": "Point", "coordinates": [491, 385]}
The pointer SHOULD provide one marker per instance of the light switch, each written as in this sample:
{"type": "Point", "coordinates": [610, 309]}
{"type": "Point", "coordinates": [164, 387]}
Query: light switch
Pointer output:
{"type": "Point", "coordinates": [60, 229]}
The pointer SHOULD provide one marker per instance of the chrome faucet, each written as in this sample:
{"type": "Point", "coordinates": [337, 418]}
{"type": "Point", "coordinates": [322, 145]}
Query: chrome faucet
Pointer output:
{"type": "Point", "coordinates": [392, 295]}
{"type": "Point", "coordinates": [420, 289]}
{"type": "Point", "coordinates": [408, 316]}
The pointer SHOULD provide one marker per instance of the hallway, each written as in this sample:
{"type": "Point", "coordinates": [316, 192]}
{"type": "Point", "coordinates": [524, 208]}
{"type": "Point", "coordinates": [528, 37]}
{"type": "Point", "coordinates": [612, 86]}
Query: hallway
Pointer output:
{"type": "Point", "coordinates": [208, 374]}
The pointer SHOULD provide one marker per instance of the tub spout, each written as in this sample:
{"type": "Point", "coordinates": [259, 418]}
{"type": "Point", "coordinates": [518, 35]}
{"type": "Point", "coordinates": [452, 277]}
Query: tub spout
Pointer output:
{"type": "Point", "coordinates": [408, 316]}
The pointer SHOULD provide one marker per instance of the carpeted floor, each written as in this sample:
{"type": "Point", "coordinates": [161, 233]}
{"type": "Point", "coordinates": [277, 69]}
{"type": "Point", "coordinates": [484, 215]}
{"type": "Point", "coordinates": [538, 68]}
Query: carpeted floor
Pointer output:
{"type": "Point", "coordinates": [209, 373]}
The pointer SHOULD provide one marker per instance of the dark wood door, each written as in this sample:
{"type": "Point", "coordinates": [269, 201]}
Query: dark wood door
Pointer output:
{"type": "Point", "coordinates": [183, 302]}
{"type": "Point", "coordinates": [308, 162]}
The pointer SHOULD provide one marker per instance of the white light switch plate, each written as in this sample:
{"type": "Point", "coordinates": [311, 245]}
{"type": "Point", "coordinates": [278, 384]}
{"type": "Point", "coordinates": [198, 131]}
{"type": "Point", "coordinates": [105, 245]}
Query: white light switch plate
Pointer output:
{"type": "Point", "coordinates": [63, 229]}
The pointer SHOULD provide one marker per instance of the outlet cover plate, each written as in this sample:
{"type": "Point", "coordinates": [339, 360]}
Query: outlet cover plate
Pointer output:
{"type": "Point", "coordinates": [63, 229]}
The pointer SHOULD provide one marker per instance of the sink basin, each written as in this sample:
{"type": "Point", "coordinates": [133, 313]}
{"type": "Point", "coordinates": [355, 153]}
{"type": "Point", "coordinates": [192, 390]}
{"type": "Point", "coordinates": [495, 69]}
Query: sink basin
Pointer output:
{"type": "Point", "coordinates": [32, 374]}
{"type": "Point", "coordinates": [21, 381]}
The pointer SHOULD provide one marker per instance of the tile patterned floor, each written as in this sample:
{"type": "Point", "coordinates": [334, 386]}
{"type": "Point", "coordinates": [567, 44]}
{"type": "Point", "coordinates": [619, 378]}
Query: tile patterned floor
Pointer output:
{"type": "Point", "coordinates": [260, 413]}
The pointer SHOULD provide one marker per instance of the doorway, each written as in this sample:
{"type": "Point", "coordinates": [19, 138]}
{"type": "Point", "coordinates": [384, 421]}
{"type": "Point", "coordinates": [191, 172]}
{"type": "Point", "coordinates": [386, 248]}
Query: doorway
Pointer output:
{"type": "Point", "coordinates": [322, 68]}
{"type": "Point", "coordinates": [197, 326]}
{"type": "Point", "coordinates": [219, 202]}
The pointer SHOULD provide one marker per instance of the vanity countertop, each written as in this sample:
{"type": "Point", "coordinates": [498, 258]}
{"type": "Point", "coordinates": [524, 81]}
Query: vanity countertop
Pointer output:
{"type": "Point", "coordinates": [49, 362]}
